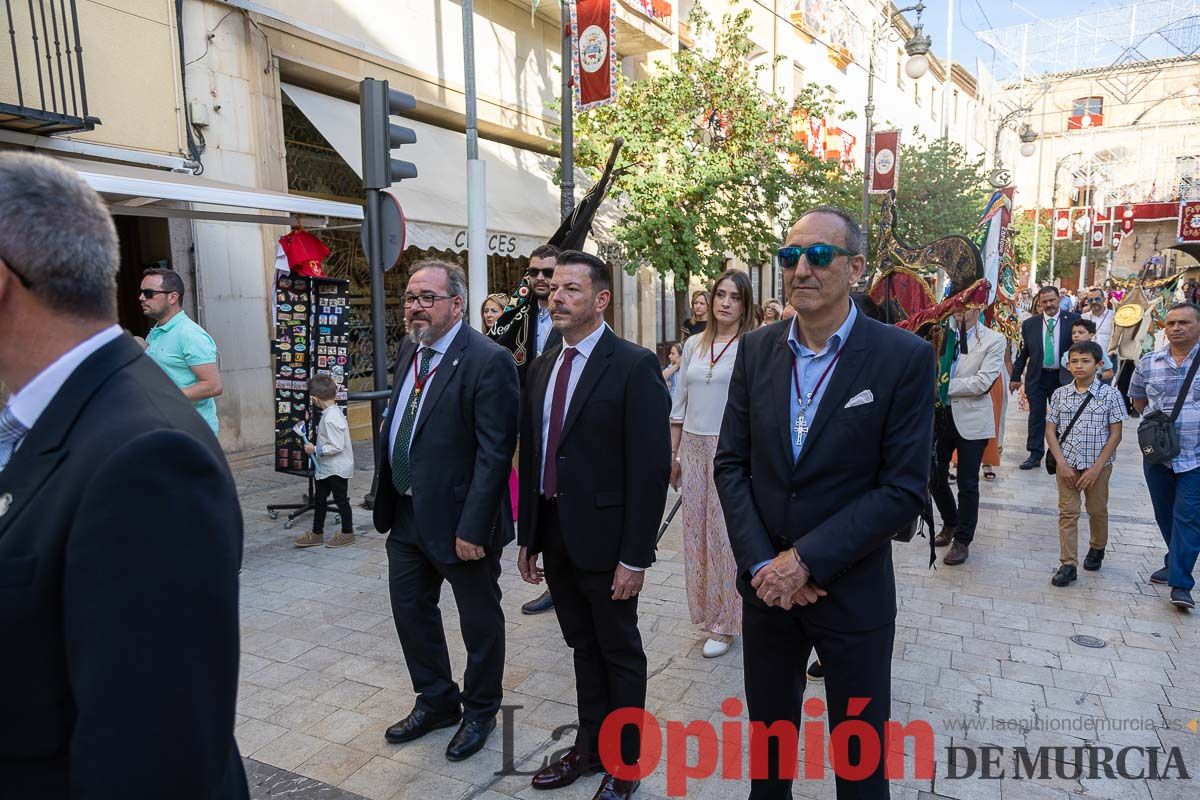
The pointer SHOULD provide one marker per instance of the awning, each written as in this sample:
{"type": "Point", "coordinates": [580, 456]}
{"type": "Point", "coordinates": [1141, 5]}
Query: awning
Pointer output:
{"type": "Point", "coordinates": [523, 207]}
{"type": "Point", "coordinates": [138, 191]}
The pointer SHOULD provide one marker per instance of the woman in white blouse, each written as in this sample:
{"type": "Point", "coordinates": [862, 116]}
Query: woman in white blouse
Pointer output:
{"type": "Point", "coordinates": [695, 425]}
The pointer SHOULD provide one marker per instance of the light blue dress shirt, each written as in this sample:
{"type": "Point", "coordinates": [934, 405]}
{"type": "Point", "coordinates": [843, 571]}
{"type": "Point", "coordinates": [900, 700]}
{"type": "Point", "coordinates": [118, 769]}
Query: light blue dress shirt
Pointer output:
{"type": "Point", "coordinates": [544, 326]}
{"type": "Point", "coordinates": [810, 366]}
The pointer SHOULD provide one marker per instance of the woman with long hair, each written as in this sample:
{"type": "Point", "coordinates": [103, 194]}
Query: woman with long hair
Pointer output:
{"type": "Point", "coordinates": [703, 387]}
{"type": "Point", "coordinates": [699, 318]}
{"type": "Point", "coordinates": [772, 311]}
{"type": "Point", "coordinates": [493, 307]}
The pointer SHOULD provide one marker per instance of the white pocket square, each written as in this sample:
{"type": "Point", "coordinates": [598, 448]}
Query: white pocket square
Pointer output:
{"type": "Point", "coordinates": [860, 399]}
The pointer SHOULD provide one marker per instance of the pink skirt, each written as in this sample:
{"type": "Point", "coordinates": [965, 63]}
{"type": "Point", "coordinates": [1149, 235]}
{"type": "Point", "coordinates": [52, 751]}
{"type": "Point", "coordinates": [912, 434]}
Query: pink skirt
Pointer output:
{"type": "Point", "coordinates": [710, 569]}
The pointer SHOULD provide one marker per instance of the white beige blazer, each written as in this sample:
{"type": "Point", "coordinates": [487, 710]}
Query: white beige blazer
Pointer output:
{"type": "Point", "coordinates": [970, 388]}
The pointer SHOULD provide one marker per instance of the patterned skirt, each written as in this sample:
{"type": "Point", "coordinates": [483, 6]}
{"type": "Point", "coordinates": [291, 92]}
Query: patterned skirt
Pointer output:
{"type": "Point", "coordinates": [711, 571]}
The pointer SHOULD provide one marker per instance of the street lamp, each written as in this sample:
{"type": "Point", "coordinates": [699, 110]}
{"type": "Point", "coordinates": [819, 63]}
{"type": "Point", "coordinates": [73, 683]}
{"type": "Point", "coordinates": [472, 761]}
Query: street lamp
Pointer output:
{"type": "Point", "coordinates": [917, 65]}
{"type": "Point", "coordinates": [1028, 137]}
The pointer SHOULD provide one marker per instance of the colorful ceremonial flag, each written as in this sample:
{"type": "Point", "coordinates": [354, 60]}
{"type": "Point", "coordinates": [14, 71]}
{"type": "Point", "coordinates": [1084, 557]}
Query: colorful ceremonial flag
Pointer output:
{"type": "Point", "coordinates": [1189, 221]}
{"type": "Point", "coordinates": [996, 216]}
{"type": "Point", "coordinates": [1097, 236]}
{"type": "Point", "coordinates": [593, 50]}
{"type": "Point", "coordinates": [885, 161]}
{"type": "Point", "coordinates": [1062, 223]}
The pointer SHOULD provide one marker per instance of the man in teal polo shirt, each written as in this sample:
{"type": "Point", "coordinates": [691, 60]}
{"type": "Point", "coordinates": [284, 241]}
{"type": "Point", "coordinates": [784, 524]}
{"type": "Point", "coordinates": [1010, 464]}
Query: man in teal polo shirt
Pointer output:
{"type": "Point", "coordinates": [182, 348]}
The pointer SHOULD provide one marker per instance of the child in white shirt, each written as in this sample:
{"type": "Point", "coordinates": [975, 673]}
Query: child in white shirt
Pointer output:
{"type": "Point", "coordinates": [334, 456]}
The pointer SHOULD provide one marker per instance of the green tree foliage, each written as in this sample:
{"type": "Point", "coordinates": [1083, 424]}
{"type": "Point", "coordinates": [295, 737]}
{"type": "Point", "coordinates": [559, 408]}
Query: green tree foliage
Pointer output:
{"type": "Point", "coordinates": [1066, 252]}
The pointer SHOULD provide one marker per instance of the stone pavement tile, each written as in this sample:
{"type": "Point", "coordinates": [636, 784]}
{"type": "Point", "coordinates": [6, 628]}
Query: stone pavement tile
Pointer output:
{"type": "Point", "coordinates": [254, 734]}
{"type": "Point", "coordinates": [348, 694]}
{"type": "Point", "coordinates": [301, 714]}
{"type": "Point", "coordinates": [333, 764]}
{"type": "Point", "coordinates": [968, 682]}
{"type": "Point", "coordinates": [311, 684]}
{"type": "Point", "coordinates": [343, 725]}
{"type": "Point", "coordinates": [289, 750]}
{"type": "Point", "coordinates": [263, 703]}
{"type": "Point", "coordinates": [1082, 682]}
{"type": "Point", "coordinates": [319, 658]}
{"type": "Point", "coordinates": [1115, 788]}
{"type": "Point", "coordinates": [1019, 691]}
{"type": "Point", "coordinates": [1131, 690]}
{"type": "Point", "coordinates": [1029, 673]}
{"type": "Point", "coordinates": [1030, 790]}
{"type": "Point", "coordinates": [387, 704]}
{"type": "Point", "coordinates": [379, 778]}
{"type": "Point", "coordinates": [275, 675]}
{"type": "Point", "coordinates": [1078, 702]}
{"type": "Point", "coordinates": [1138, 655]}
{"type": "Point", "coordinates": [1088, 665]}
{"type": "Point", "coordinates": [1185, 698]}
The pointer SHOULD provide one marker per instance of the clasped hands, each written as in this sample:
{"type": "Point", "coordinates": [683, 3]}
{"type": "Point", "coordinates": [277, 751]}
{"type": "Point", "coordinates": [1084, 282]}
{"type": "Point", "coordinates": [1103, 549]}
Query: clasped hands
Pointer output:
{"type": "Point", "coordinates": [784, 582]}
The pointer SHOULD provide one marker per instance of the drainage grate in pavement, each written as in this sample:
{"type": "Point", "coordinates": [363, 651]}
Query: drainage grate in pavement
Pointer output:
{"type": "Point", "coordinates": [1088, 641]}
{"type": "Point", "coordinates": [269, 782]}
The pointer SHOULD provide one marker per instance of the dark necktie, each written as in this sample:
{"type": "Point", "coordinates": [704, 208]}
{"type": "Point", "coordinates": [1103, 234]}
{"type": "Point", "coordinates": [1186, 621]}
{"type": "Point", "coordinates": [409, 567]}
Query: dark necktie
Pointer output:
{"type": "Point", "coordinates": [558, 408]}
{"type": "Point", "coordinates": [401, 468]}
{"type": "Point", "coordinates": [11, 434]}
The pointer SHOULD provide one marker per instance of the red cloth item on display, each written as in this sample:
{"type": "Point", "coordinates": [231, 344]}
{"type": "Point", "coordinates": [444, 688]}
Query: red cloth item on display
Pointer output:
{"type": "Point", "coordinates": [305, 253]}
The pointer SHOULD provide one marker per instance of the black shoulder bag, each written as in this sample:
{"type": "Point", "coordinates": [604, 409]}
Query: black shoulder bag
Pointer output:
{"type": "Point", "coordinates": [1157, 437]}
{"type": "Point", "coordinates": [1051, 464]}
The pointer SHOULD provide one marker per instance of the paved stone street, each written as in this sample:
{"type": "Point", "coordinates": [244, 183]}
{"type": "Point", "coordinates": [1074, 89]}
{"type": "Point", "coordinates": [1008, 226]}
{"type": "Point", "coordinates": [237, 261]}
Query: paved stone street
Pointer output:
{"type": "Point", "coordinates": [323, 676]}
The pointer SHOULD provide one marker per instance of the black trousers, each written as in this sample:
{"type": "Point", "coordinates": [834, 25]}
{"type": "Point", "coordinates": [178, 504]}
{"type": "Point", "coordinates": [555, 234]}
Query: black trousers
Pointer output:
{"type": "Point", "coordinates": [858, 664]}
{"type": "Point", "coordinates": [965, 514]}
{"type": "Point", "coordinates": [1038, 391]}
{"type": "Point", "coordinates": [1124, 376]}
{"type": "Point", "coordinates": [610, 664]}
{"type": "Point", "coordinates": [415, 581]}
{"type": "Point", "coordinates": [340, 488]}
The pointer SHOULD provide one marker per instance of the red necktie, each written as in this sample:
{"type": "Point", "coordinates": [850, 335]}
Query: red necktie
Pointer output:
{"type": "Point", "coordinates": [558, 408]}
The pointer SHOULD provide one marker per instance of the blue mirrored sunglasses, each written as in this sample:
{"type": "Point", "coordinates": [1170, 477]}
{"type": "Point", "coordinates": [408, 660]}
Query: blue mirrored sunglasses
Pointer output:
{"type": "Point", "coordinates": [817, 255]}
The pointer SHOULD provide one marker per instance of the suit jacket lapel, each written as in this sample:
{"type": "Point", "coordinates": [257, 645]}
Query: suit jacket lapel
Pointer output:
{"type": "Point", "coordinates": [396, 402]}
{"type": "Point", "coordinates": [44, 447]}
{"type": "Point", "coordinates": [593, 368]}
{"type": "Point", "coordinates": [780, 367]}
{"type": "Point", "coordinates": [841, 380]}
{"type": "Point", "coordinates": [445, 371]}
{"type": "Point", "coordinates": [537, 389]}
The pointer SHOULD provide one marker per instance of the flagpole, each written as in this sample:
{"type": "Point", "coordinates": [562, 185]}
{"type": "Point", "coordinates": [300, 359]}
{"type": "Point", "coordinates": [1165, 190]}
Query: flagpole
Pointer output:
{"type": "Point", "coordinates": [567, 116]}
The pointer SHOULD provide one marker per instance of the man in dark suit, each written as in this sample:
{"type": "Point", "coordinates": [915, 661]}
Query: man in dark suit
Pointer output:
{"type": "Point", "coordinates": [120, 529]}
{"type": "Point", "coordinates": [824, 452]}
{"type": "Point", "coordinates": [442, 498]}
{"type": "Point", "coordinates": [1044, 338]}
{"type": "Point", "coordinates": [595, 460]}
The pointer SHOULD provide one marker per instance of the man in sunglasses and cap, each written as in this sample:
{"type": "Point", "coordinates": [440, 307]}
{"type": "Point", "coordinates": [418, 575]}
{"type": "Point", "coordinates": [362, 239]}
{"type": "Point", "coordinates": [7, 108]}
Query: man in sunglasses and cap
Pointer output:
{"type": "Point", "coordinates": [825, 451]}
{"type": "Point", "coordinates": [181, 347]}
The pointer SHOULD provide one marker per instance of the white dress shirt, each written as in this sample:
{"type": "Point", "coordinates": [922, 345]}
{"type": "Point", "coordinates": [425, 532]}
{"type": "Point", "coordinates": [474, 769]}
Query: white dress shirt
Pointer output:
{"type": "Point", "coordinates": [28, 404]}
{"type": "Point", "coordinates": [439, 349]}
{"type": "Point", "coordinates": [700, 400]}
{"type": "Point", "coordinates": [1104, 326]}
{"type": "Point", "coordinates": [584, 351]}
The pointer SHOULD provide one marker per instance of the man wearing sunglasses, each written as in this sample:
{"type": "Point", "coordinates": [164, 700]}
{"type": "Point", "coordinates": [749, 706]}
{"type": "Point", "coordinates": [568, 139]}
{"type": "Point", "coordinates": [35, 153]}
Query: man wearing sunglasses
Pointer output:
{"type": "Point", "coordinates": [1098, 312]}
{"type": "Point", "coordinates": [181, 347]}
{"type": "Point", "coordinates": [120, 529]}
{"type": "Point", "coordinates": [825, 451]}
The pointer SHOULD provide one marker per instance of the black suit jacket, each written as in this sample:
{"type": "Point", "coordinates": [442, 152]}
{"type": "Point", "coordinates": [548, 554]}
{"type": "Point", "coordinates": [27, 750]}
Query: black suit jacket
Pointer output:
{"type": "Point", "coordinates": [614, 456]}
{"type": "Point", "coordinates": [462, 447]}
{"type": "Point", "coordinates": [1033, 350]}
{"type": "Point", "coordinates": [862, 473]}
{"type": "Point", "coordinates": [119, 557]}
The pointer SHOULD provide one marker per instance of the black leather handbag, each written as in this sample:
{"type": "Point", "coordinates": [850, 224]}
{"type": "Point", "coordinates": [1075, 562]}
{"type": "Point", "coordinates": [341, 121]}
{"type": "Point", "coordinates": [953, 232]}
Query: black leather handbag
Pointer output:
{"type": "Point", "coordinates": [1157, 437]}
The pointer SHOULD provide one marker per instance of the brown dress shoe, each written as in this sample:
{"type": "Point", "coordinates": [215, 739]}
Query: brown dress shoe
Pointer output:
{"type": "Point", "coordinates": [613, 789]}
{"type": "Point", "coordinates": [957, 555]}
{"type": "Point", "coordinates": [945, 536]}
{"type": "Point", "coordinates": [566, 771]}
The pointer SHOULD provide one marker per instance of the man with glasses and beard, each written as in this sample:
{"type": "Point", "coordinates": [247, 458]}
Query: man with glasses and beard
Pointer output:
{"type": "Point", "coordinates": [1096, 310]}
{"type": "Point", "coordinates": [181, 347]}
{"type": "Point", "coordinates": [540, 272]}
{"type": "Point", "coordinates": [444, 460]}
{"type": "Point", "coordinates": [824, 453]}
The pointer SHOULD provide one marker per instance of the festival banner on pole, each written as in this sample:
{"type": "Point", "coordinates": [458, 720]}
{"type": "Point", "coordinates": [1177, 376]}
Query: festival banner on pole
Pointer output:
{"type": "Point", "coordinates": [885, 161]}
{"type": "Point", "coordinates": [1062, 223]}
{"type": "Point", "coordinates": [1097, 236]}
{"type": "Point", "coordinates": [1189, 221]}
{"type": "Point", "coordinates": [593, 50]}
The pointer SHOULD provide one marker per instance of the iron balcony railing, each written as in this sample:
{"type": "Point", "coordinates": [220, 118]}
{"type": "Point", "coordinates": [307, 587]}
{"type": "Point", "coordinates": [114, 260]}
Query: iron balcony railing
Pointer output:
{"type": "Point", "coordinates": [43, 89]}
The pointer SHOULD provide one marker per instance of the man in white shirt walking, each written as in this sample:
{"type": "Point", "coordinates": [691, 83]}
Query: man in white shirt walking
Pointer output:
{"type": "Point", "coordinates": [1097, 312]}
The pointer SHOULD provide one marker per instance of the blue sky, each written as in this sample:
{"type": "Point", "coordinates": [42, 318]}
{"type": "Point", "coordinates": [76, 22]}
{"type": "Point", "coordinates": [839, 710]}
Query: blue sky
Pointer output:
{"type": "Point", "coordinates": [977, 15]}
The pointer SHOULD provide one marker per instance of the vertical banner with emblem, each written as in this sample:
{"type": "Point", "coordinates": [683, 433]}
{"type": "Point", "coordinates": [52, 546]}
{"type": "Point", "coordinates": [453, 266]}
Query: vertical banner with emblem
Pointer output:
{"type": "Point", "coordinates": [593, 50]}
{"type": "Point", "coordinates": [1097, 235]}
{"type": "Point", "coordinates": [885, 161]}
{"type": "Point", "coordinates": [1189, 221]}
{"type": "Point", "coordinates": [1062, 223]}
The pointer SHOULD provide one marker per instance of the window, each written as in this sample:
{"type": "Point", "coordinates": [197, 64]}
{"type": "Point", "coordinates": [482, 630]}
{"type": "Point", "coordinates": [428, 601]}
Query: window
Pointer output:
{"type": "Point", "coordinates": [933, 104]}
{"type": "Point", "coordinates": [1088, 106]}
{"type": "Point", "coordinates": [1187, 172]}
{"type": "Point", "coordinates": [797, 78]}
{"type": "Point", "coordinates": [900, 68]}
{"type": "Point", "coordinates": [956, 106]}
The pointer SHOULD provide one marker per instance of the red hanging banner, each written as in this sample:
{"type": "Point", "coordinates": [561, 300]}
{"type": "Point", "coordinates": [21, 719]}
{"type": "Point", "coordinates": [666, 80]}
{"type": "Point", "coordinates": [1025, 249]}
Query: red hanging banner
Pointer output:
{"type": "Point", "coordinates": [1189, 221]}
{"type": "Point", "coordinates": [1097, 236]}
{"type": "Point", "coordinates": [885, 161]}
{"type": "Point", "coordinates": [1062, 223]}
{"type": "Point", "coordinates": [593, 50]}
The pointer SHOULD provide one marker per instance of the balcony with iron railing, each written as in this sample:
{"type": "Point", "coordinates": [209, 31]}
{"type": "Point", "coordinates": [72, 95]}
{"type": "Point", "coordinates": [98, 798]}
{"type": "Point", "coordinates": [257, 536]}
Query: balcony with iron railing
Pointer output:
{"type": "Point", "coordinates": [42, 86]}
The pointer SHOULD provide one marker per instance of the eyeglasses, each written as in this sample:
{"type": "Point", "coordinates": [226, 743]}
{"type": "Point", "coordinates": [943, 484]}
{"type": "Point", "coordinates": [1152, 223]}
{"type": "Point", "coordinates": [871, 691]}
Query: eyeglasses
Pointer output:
{"type": "Point", "coordinates": [547, 272]}
{"type": "Point", "coordinates": [424, 300]}
{"type": "Point", "coordinates": [817, 255]}
{"type": "Point", "coordinates": [149, 293]}
{"type": "Point", "coordinates": [1096, 300]}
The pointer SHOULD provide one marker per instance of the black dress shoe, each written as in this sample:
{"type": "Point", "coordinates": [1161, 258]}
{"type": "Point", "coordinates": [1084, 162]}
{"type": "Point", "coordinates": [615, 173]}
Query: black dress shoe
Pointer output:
{"type": "Point", "coordinates": [418, 723]}
{"type": "Point", "coordinates": [566, 771]}
{"type": "Point", "coordinates": [539, 605]}
{"type": "Point", "coordinates": [1033, 462]}
{"type": "Point", "coordinates": [1094, 559]}
{"type": "Point", "coordinates": [1066, 573]}
{"type": "Point", "coordinates": [1160, 576]}
{"type": "Point", "coordinates": [1182, 598]}
{"type": "Point", "coordinates": [613, 789]}
{"type": "Point", "coordinates": [958, 554]}
{"type": "Point", "coordinates": [470, 738]}
{"type": "Point", "coordinates": [945, 536]}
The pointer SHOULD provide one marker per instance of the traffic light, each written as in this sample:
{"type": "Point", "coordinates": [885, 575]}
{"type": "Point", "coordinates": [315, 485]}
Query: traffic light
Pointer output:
{"type": "Point", "coordinates": [379, 136]}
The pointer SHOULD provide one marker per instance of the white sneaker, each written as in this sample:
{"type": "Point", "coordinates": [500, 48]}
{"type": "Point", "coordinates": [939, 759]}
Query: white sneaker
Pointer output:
{"type": "Point", "coordinates": [715, 648]}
